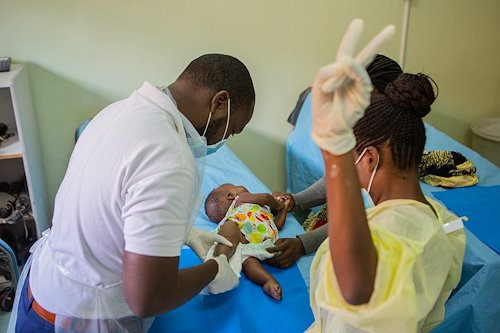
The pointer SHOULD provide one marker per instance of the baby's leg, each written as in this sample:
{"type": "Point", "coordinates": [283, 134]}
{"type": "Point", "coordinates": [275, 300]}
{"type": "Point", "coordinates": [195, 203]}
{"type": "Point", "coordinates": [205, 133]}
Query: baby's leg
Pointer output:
{"type": "Point", "coordinates": [233, 234]}
{"type": "Point", "coordinates": [254, 271]}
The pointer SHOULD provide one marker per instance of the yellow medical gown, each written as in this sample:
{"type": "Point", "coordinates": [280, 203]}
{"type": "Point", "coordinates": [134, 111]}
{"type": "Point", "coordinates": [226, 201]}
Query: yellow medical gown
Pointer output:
{"type": "Point", "coordinates": [418, 267]}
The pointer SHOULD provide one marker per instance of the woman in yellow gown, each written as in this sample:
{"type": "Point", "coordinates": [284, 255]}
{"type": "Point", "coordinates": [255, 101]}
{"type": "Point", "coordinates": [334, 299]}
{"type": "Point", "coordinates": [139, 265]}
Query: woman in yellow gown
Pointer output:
{"type": "Point", "coordinates": [392, 267]}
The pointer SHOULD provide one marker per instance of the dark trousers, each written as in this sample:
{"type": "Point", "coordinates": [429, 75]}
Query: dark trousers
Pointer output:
{"type": "Point", "coordinates": [27, 319]}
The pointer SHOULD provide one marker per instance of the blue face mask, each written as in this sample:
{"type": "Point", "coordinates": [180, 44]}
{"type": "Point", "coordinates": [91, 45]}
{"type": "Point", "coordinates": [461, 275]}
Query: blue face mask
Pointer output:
{"type": "Point", "coordinates": [367, 199]}
{"type": "Point", "coordinates": [214, 147]}
{"type": "Point", "coordinates": [365, 193]}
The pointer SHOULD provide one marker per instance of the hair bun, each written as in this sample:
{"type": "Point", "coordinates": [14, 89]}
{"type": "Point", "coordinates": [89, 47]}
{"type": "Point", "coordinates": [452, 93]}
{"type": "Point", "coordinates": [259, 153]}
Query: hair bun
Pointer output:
{"type": "Point", "coordinates": [383, 70]}
{"type": "Point", "coordinates": [413, 92]}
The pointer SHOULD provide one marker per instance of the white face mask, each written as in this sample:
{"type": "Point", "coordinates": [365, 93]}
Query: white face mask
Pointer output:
{"type": "Point", "coordinates": [365, 193]}
{"type": "Point", "coordinates": [214, 147]}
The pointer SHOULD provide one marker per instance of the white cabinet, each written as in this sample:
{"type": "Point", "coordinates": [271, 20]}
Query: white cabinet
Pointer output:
{"type": "Point", "coordinates": [20, 158]}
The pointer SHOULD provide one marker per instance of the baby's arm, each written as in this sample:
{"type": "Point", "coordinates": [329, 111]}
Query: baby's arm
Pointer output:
{"type": "Point", "coordinates": [280, 218]}
{"type": "Point", "coordinates": [264, 199]}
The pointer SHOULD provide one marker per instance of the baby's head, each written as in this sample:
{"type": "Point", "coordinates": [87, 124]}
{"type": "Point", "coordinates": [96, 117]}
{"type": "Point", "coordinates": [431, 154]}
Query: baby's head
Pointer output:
{"type": "Point", "coordinates": [220, 199]}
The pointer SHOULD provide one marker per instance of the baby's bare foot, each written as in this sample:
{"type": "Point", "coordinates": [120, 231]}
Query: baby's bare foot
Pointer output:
{"type": "Point", "coordinates": [273, 289]}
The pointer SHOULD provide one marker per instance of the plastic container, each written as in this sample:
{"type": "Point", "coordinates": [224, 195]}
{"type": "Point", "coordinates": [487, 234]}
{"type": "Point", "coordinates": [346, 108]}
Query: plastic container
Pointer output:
{"type": "Point", "coordinates": [486, 138]}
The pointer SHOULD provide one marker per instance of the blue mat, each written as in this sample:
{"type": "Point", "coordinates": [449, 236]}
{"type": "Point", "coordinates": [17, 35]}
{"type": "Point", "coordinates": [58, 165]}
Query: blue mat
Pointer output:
{"type": "Point", "coordinates": [244, 309]}
{"type": "Point", "coordinates": [479, 204]}
{"type": "Point", "coordinates": [473, 306]}
{"type": "Point", "coordinates": [304, 162]}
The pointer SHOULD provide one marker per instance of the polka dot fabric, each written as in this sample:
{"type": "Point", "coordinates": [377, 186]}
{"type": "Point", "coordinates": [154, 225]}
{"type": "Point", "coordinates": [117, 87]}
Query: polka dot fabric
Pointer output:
{"type": "Point", "coordinates": [256, 222]}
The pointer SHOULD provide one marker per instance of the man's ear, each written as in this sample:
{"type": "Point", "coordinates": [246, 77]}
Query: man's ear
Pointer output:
{"type": "Point", "coordinates": [218, 106]}
{"type": "Point", "coordinates": [230, 196]}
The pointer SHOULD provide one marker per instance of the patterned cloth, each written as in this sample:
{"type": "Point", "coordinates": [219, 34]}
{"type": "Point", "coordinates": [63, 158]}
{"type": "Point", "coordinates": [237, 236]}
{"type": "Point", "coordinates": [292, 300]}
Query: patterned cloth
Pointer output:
{"type": "Point", "coordinates": [316, 220]}
{"type": "Point", "coordinates": [447, 169]}
{"type": "Point", "coordinates": [255, 222]}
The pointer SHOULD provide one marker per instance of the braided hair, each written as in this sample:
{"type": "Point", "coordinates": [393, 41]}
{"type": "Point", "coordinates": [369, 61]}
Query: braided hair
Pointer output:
{"type": "Point", "coordinates": [382, 71]}
{"type": "Point", "coordinates": [395, 117]}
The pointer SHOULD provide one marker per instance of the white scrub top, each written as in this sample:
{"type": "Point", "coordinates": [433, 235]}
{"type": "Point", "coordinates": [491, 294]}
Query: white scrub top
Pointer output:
{"type": "Point", "coordinates": [128, 186]}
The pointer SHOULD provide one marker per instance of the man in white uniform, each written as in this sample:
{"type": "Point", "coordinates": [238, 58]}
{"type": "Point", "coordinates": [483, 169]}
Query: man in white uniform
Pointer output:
{"type": "Point", "coordinates": [124, 208]}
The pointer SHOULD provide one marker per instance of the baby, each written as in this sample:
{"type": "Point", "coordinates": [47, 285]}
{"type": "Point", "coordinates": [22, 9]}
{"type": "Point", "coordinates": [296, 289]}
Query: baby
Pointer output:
{"type": "Point", "coordinates": [246, 219]}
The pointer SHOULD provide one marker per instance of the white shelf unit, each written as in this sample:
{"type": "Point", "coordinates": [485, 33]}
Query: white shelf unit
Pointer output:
{"type": "Point", "coordinates": [20, 155]}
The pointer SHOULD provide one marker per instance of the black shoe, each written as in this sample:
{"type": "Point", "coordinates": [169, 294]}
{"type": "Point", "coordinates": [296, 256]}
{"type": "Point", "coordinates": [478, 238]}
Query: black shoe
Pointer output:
{"type": "Point", "coordinates": [6, 210]}
{"type": "Point", "coordinates": [17, 215]}
{"type": "Point", "coordinates": [7, 299]}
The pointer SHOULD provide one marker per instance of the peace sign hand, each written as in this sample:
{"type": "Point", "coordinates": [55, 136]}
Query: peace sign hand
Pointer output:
{"type": "Point", "coordinates": [341, 90]}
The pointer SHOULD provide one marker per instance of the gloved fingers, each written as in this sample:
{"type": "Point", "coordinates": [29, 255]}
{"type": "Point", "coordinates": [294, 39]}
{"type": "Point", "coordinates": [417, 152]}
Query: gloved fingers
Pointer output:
{"type": "Point", "coordinates": [341, 93]}
{"type": "Point", "coordinates": [335, 83]}
{"type": "Point", "coordinates": [350, 39]}
{"type": "Point", "coordinates": [199, 249]}
{"type": "Point", "coordinates": [192, 232]}
{"type": "Point", "coordinates": [367, 54]}
{"type": "Point", "coordinates": [226, 279]}
{"type": "Point", "coordinates": [345, 72]}
{"type": "Point", "coordinates": [222, 240]}
{"type": "Point", "coordinates": [359, 90]}
{"type": "Point", "coordinates": [324, 74]}
{"type": "Point", "coordinates": [333, 76]}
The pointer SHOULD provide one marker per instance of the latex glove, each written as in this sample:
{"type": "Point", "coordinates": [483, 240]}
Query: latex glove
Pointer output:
{"type": "Point", "coordinates": [226, 279]}
{"type": "Point", "coordinates": [201, 240]}
{"type": "Point", "coordinates": [341, 91]}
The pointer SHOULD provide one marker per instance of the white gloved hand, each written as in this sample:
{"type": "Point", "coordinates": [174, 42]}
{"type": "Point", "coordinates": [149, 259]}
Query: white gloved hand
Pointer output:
{"type": "Point", "coordinates": [201, 240]}
{"type": "Point", "coordinates": [226, 279]}
{"type": "Point", "coordinates": [341, 91]}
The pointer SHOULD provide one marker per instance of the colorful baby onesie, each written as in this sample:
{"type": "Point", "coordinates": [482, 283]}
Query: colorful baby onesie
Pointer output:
{"type": "Point", "coordinates": [255, 222]}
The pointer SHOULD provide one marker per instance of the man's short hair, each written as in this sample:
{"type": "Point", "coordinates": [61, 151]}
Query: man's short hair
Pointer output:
{"type": "Point", "coordinates": [222, 72]}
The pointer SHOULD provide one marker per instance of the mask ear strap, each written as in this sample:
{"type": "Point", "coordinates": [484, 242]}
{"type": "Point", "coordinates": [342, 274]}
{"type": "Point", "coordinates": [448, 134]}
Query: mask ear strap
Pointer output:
{"type": "Point", "coordinates": [208, 122]}
{"type": "Point", "coordinates": [373, 174]}
{"type": "Point", "coordinates": [360, 156]}
{"type": "Point", "coordinates": [228, 116]}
